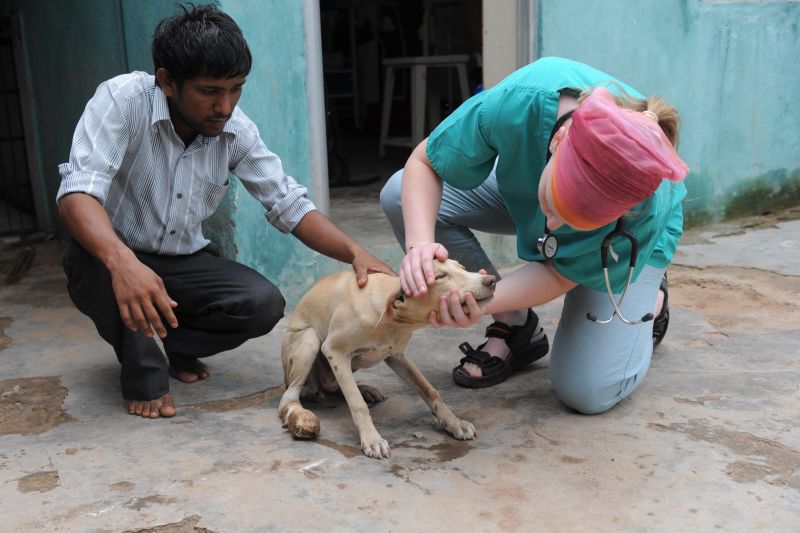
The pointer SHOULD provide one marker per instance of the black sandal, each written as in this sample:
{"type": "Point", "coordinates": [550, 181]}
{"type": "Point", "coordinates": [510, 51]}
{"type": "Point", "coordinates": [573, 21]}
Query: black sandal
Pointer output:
{"type": "Point", "coordinates": [661, 322]}
{"type": "Point", "coordinates": [528, 343]}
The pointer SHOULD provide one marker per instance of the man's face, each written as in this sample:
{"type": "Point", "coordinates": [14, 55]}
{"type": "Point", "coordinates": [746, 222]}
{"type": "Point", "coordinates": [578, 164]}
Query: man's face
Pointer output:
{"type": "Point", "coordinates": [203, 104]}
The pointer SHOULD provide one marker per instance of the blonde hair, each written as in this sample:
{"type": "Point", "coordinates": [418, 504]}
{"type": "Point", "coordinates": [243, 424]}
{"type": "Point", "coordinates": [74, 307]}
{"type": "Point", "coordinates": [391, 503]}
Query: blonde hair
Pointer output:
{"type": "Point", "coordinates": [666, 114]}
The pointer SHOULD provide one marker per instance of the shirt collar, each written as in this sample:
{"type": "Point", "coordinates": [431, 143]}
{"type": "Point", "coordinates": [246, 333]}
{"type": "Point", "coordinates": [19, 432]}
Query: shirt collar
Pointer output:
{"type": "Point", "coordinates": [160, 108]}
{"type": "Point", "coordinates": [161, 112]}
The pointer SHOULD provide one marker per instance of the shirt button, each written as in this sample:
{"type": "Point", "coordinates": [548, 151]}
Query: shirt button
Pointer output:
{"type": "Point", "coordinates": [179, 195]}
{"type": "Point", "coordinates": [172, 232]}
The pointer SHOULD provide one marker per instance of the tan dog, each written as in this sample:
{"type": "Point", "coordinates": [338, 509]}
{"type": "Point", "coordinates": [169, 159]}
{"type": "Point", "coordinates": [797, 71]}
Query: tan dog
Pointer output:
{"type": "Point", "coordinates": [338, 328]}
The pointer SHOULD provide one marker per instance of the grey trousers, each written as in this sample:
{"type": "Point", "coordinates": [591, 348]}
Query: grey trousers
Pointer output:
{"type": "Point", "coordinates": [592, 366]}
{"type": "Point", "coordinates": [221, 304]}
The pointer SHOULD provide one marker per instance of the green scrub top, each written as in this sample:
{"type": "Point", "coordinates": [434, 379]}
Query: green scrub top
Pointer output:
{"type": "Point", "coordinates": [512, 122]}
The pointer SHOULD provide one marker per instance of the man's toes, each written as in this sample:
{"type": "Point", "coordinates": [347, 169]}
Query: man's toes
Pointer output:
{"type": "Point", "coordinates": [191, 375]}
{"type": "Point", "coordinates": [203, 370]}
{"type": "Point", "coordinates": [186, 376]}
{"type": "Point", "coordinates": [167, 407]}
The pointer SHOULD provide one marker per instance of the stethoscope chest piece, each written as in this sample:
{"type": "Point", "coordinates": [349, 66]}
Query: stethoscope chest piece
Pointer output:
{"type": "Point", "coordinates": [547, 245]}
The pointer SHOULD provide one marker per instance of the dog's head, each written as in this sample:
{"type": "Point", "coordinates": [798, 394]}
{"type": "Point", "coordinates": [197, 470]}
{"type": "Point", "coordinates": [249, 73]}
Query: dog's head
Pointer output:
{"type": "Point", "coordinates": [449, 275]}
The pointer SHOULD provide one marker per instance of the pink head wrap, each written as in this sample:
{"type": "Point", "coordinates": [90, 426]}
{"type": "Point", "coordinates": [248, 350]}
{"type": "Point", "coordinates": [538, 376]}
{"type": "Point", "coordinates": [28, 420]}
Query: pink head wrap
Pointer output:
{"type": "Point", "coordinates": [611, 159]}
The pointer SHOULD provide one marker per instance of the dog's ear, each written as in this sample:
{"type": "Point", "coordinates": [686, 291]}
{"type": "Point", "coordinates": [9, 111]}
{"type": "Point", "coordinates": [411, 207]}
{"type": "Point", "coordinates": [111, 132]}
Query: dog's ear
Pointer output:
{"type": "Point", "coordinates": [394, 303]}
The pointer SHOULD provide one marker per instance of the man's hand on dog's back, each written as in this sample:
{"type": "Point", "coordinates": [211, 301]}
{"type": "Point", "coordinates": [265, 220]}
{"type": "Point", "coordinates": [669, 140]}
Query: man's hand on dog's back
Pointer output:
{"type": "Point", "coordinates": [364, 264]}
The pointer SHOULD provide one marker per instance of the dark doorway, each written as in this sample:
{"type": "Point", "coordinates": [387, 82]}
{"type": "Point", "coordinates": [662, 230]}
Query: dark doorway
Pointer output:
{"type": "Point", "coordinates": [17, 213]}
{"type": "Point", "coordinates": [357, 37]}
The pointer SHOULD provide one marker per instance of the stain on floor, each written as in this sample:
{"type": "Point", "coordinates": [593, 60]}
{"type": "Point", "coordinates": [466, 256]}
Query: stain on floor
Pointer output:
{"type": "Point", "coordinates": [744, 300]}
{"type": "Point", "coordinates": [346, 450]}
{"type": "Point", "coordinates": [123, 486]}
{"type": "Point", "coordinates": [243, 402]}
{"type": "Point", "coordinates": [38, 482]}
{"type": "Point", "coordinates": [187, 525]}
{"type": "Point", "coordinates": [30, 406]}
{"type": "Point", "coordinates": [5, 340]}
{"type": "Point", "coordinates": [146, 501]}
{"type": "Point", "coordinates": [767, 459]}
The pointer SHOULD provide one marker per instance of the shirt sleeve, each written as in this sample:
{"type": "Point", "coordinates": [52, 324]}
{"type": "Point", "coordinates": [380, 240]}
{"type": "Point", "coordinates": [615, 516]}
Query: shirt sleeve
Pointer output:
{"type": "Point", "coordinates": [508, 121]}
{"type": "Point", "coordinates": [459, 148]}
{"type": "Point", "coordinates": [261, 172]}
{"type": "Point", "coordinates": [99, 144]}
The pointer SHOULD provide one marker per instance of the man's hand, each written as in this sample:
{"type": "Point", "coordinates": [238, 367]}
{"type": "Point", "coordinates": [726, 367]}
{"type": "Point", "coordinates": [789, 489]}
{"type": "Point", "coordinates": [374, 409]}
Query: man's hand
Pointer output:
{"type": "Point", "coordinates": [416, 269]}
{"type": "Point", "coordinates": [141, 296]}
{"type": "Point", "coordinates": [364, 263]}
{"type": "Point", "coordinates": [322, 235]}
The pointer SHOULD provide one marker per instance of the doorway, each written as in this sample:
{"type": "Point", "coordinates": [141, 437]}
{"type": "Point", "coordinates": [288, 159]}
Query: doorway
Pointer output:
{"type": "Point", "coordinates": [357, 38]}
{"type": "Point", "coordinates": [17, 210]}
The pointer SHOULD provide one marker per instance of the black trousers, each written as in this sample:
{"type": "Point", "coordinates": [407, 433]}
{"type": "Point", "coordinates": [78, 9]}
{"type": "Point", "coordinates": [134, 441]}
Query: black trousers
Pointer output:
{"type": "Point", "coordinates": [221, 304]}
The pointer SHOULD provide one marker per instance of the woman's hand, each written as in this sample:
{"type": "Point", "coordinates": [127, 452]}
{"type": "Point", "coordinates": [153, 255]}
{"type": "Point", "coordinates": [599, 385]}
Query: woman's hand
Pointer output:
{"type": "Point", "coordinates": [416, 268]}
{"type": "Point", "coordinates": [451, 311]}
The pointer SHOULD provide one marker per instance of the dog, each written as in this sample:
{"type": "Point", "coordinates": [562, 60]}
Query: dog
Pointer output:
{"type": "Point", "coordinates": [338, 328]}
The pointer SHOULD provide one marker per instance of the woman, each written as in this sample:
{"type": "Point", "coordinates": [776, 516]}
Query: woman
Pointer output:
{"type": "Point", "coordinates": [613, 166]}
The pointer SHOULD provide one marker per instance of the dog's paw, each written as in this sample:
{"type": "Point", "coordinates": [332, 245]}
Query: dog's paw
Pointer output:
{"type": "Point", "coordinates": [303, 424]}
{"type": "Point", "coordinates": [376, 448]}
{"type": "Point", "coordinates": [371, 394]}
{"type": "Point", "coordinates": [459, 429]}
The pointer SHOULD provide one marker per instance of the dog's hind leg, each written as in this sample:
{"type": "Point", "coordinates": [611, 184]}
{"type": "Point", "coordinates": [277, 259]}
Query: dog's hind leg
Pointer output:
{"type": "Point", "coordinates": [442, 415]}
{"type": "Point", "coordinates": [299, 351]}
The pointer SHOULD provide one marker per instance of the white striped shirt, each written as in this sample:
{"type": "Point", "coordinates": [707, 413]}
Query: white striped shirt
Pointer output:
{"type": "Point", "coordinates": [157, 192]}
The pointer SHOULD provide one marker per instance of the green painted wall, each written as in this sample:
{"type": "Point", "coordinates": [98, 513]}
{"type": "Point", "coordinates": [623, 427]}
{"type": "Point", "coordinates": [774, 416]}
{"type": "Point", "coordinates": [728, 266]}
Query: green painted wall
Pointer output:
{"type": "Point", "coordinates": [74, 45]}
{"type": "Point", "coordinates": [275, 98]}
{"type": "Point", "coordinates": [730, 67]}
{"type": "Point", "coordinates": [65, 64]}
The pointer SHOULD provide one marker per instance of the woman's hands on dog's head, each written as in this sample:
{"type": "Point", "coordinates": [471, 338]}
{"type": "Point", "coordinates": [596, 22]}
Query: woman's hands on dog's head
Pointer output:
{"type": "Point", "coordinates": [416, 269]}
{"type": "Point", "coordinates": [417, 274]}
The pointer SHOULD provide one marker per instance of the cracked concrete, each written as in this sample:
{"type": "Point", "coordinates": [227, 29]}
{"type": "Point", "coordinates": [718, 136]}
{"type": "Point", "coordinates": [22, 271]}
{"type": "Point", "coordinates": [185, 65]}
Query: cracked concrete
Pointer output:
{"type": "Point", "coordinates": [709, 441]}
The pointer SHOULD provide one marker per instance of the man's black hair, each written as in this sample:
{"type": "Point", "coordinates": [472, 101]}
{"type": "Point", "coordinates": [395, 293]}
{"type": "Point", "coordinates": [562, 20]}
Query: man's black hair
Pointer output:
{"type": "Point", "coordinates": [201, 41]}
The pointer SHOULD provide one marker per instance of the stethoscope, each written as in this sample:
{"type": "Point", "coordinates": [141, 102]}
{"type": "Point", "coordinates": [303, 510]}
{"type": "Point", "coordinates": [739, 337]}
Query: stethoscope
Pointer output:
{"type": "Point", "coordinates": [548, 247]}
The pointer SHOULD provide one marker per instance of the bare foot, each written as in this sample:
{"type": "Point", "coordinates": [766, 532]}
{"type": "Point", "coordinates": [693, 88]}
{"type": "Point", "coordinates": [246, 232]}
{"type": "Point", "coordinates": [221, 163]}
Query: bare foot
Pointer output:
{"type": "Point", "coordinates": [159, 407]}
{"type": "Point", "coordinates": [195, 371]}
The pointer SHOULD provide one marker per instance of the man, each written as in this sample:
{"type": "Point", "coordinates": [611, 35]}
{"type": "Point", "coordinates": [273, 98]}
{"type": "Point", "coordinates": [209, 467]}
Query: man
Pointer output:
{"type": "Point", "coordinates": [149, 162]}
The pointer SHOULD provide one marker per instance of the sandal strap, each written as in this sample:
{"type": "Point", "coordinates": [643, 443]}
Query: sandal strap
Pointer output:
{"type": "Point", "coordinates": [478, 357]}
{"type": "Point", "coordinates": [517, 337]}
{"type": "Point", "coordinates": [498, 330]}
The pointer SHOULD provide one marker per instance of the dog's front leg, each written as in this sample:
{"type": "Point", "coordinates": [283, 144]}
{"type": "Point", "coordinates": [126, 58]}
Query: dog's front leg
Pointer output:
{"type": "Point", "coordinates": [372, 443]}
{"type": "Point", "coordinates": [442, 415]}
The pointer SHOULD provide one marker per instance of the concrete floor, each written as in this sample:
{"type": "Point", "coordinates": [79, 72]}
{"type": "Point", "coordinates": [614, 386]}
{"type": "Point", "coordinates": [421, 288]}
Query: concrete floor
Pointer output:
{"type": "Point", "coordinates": [709, 441]}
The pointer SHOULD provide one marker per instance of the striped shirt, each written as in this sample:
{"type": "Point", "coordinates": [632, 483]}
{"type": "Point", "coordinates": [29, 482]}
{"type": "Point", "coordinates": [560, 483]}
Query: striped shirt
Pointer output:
{"type": "Point", "coordinates": [157, 192]}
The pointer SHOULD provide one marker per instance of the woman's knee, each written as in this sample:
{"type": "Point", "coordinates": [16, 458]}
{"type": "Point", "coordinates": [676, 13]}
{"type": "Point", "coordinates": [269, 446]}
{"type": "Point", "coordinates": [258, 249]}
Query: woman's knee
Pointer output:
{"type": "Point", "coordinates": [585, 396]}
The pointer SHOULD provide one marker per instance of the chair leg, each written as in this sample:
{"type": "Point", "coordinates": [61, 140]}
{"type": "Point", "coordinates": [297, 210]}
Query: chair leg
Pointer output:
{"type": "Point", "coordinates": [388, 95]}
{"type": "Point", "coordinates": [433, 100]}
{"type": "Point", "coordinates": [418, 86]}
{"type": "Point", "coordinates": [462, 81]}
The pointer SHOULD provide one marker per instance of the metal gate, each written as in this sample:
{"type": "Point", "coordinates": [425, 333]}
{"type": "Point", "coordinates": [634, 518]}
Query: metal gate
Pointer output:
{"type": "Point", "coordinates": [17, 213]}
